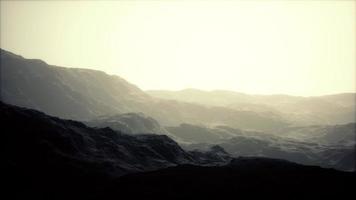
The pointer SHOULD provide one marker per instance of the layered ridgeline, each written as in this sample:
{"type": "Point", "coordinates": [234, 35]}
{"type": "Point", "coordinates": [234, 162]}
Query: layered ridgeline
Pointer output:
{"type": "Point", "coordinates": [66, 92]}
{"type": "Point", "coordinates": [132, 123]}
{"type": "Point", "coordinates": [299, 111]}
{"type": "Point", "coordinates": [327, 146]}
{"type": "Point", "coordinates": [47, 157]}
{"type": "Point", "coordinates": [39, 142]}
{"type": "Point", "coordinates": [84, 94]}
{"type": "Point", "coordinates": [102, 100]}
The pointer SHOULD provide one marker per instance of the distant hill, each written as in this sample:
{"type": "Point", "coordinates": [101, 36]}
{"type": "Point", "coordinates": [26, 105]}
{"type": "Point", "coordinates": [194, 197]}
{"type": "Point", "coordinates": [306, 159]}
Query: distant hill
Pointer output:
{"type": "Point", "coordinates": [344, 134]}
{"type": "Point", "coordinates": [83, 94]}
{"type": "Point", "coordinates": [65, 92]}
{"type": "Point", "coordinates": [327, 146]}
{"type": "Point", "coordinates": [328, 109]}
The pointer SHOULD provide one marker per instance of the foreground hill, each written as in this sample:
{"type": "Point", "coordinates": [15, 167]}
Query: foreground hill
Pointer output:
{"type": "Point", "coordinates": [46, 157]}
{"type": "Point", "coordinates": [44, 144]}
{"type": "Point", "coordinates": [245, 178]}
{"type": "Point", "coordinates": [83, 94]}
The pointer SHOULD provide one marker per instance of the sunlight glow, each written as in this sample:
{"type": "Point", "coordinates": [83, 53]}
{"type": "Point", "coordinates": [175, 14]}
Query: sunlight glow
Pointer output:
{"type": "Point", "coordinates": [292, 47]}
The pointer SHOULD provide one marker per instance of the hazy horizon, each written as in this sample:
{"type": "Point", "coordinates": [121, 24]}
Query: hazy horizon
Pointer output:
{"type": "Point", "coordinates": [197, 89]}
{"type": "Point", "coordinates": [300, 48]}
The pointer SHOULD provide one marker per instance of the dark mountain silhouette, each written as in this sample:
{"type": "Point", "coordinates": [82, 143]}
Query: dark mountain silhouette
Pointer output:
{"type": "Point", "coordinates": [46, 157]}
{"type": "Point", "coordinates": [30, 135]}
{"type": "Point", "coordinates": [83, 94]}
{"type": "Point", "coordinates": [246, 178]}
{"type": "Point", "coordinates": [40, 141]}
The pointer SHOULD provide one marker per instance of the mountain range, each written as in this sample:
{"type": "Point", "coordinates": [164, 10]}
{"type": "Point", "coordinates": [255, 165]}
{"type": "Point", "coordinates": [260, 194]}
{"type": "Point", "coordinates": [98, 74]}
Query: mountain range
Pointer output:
{"type": "Point", "coordinates": [236, 142]}
{"type": "Point", "coordinates": [71, 131]}
{"type": "Point", "coordinates": [297, 110]}
{"type": "Point", "coordinates": [47, 157]}
{"type": "Point", "coordinates": [190, 117]}
{"type": "Point", "coordinates": [84, 94]}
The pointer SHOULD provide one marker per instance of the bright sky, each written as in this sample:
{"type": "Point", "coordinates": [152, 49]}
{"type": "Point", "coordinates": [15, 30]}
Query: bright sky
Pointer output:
{"type": "Point", "coordinates": [293, 47]}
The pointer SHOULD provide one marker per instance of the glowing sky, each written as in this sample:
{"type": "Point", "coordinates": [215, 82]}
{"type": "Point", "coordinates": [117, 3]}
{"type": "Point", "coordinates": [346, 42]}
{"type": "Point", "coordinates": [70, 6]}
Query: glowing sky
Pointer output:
{"type": "Point", "coordinates": [293, 47]}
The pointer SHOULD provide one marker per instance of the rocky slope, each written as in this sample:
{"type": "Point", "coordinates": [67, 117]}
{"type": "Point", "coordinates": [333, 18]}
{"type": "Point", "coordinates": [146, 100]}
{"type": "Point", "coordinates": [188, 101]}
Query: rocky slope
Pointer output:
{"type": "Point", "coordinates": [38, 142]}
{"type": "Point", "coordinates": [131, 123]}
{"type": "Point", "coordinates": [63, 92]}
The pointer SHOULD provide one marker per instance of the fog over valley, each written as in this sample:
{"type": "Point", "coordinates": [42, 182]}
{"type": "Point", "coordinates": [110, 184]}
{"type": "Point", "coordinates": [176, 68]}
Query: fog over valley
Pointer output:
{"type": "Point", "coordinates": [176, 100]}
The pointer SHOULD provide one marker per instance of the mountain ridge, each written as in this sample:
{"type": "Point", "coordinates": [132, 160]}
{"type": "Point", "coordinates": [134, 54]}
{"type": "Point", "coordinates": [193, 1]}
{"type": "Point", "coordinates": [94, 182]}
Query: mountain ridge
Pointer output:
{"type": "Point", "coordinates": [298, 110]}
{"type": "Point", "coordinates": [82, 94]}
{"type": "Point", "coordinates": [53, 140]}
{"type": "Point", "coordinates": [51, 158]}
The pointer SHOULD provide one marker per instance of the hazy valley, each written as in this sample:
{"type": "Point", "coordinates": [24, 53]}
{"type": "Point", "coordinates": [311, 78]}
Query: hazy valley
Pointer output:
{"type": "Point", "coordinates": [96, 126]}
{"type": "Point", "coordinates": [178, 99]}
